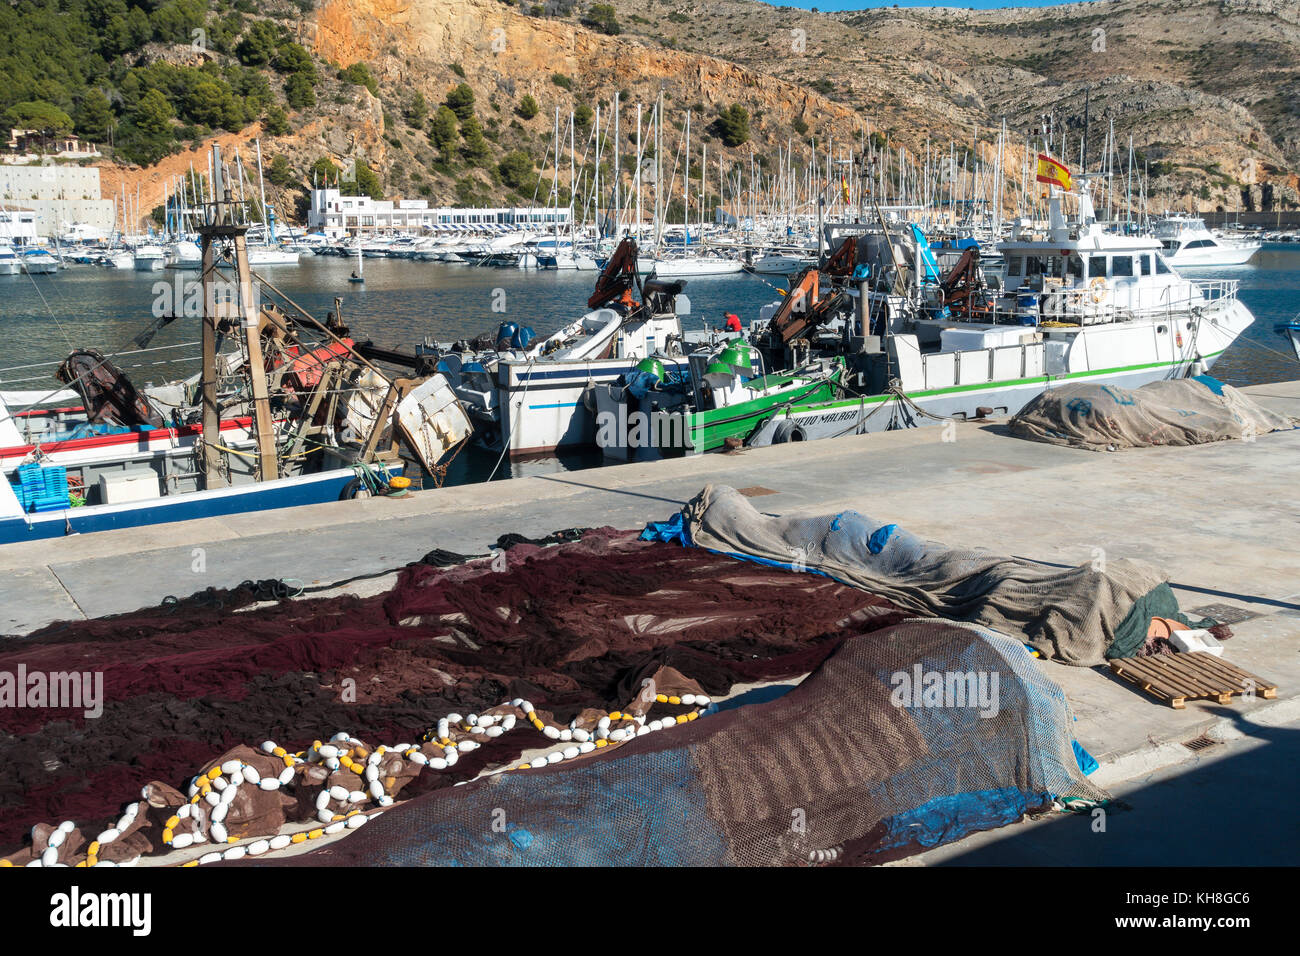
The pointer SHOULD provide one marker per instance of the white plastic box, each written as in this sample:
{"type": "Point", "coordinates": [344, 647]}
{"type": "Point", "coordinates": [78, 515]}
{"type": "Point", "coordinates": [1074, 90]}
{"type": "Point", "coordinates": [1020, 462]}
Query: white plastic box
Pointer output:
{"type": "Point", "coordinates": [136, 484]}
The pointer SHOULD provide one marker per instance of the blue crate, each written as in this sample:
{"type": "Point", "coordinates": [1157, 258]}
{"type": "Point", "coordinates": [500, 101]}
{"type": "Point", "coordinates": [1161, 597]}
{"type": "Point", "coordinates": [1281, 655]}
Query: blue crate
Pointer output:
{"type": "Point", "coordinates": [43, 489]}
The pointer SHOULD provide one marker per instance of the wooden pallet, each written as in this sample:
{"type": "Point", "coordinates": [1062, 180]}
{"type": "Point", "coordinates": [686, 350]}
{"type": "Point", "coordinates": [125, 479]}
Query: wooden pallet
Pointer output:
{"type": "Point", "coordinates": [1177, 678]}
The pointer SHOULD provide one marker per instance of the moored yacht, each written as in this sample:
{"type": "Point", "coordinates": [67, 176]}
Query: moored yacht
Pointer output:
{"type": "Point", "coordinates": [1186, 242]}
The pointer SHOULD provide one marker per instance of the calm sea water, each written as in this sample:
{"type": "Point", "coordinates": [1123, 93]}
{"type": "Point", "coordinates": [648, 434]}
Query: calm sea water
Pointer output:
{"type": "Point", "coordinates": [42, 318]}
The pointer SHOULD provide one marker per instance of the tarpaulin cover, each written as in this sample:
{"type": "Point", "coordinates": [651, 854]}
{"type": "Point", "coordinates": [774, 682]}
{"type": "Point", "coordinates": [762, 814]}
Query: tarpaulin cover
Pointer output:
{"type": "Point", "coordinates": [1071, 615]}
{"type": "Point", "coordinates": [845, 768]}
{"type": "Point", "coordinates": [1189, 411]}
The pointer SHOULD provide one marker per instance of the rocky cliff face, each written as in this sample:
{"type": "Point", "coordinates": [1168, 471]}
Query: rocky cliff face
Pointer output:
{"type": "Point", "coordinates": [1207, 89]}
{"type": "Point", "coordinates": [410, 44]}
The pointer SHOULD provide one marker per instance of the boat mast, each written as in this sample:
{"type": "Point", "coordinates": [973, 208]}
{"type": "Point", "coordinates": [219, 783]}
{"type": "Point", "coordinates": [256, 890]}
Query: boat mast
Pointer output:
{"type": "Point", "coordinates": [639, 161]}
{"type": "Point", "coordinates": [220, 230]}
{"type": "Point", "coordinates": [686, 185]}
{"type": "Point", "coordinates": [618, 176]}
{"type": "Point", "coordinates": [269, 236]}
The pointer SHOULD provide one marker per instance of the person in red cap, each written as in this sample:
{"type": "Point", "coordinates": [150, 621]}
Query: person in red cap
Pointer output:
{"type": "Point", "coordinates": [733, 322]}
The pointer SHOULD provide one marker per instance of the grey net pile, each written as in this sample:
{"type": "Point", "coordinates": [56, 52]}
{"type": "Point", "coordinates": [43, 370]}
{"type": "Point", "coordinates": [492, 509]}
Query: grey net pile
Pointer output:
{"type": "Point", "coordinates": [1070, 615]}
{"type": "Point", "coordinates": [840, 770]}
{"type": "Point", "coordinates": [1189, 411]}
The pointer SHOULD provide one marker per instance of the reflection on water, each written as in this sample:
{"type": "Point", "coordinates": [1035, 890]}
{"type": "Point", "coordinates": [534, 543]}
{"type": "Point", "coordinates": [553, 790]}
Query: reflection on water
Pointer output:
{"type": "Point", "coordinates": [42, 318]}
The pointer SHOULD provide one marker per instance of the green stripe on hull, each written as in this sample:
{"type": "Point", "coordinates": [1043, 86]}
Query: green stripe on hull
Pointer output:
{"type": "Point", "coordinates": [709, 430]}
{"type": "Point", "coordinates": [988, 386]}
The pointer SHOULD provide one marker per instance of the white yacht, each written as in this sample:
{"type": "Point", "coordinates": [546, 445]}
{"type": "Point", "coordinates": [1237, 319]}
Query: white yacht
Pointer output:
{"type": "Point", "coordinates": [272, 256]}
{"type": "Point", "coordinates": [691, 267]}
{"type": "Point", "coordinates": [149, 258]}
{"type": "Point", "coordinates": [9, 263]}
{"type": "Point", "coordinates": [1187, 242]}
{"type": "Point", "coordinates": [38, 261]}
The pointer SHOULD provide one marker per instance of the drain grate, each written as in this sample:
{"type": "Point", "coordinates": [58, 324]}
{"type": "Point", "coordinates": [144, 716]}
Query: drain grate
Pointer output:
{"type": "Point", "coordinates": [1224, 613]}
{"type": "Point", "coordinates": [1200, 743]}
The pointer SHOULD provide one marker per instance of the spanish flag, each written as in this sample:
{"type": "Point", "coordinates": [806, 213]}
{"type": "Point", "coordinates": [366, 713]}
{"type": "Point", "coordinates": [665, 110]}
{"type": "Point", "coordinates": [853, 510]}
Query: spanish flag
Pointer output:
{"type": "Point", "coordinates": [844, 187]}
{"type": "Point", "coordinates": [1052, 172]}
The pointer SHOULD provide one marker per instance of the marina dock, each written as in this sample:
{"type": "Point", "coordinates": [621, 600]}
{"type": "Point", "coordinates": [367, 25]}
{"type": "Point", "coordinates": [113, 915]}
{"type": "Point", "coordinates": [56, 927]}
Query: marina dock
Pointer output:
{"type": "Point", "coordinates": [1219, 519]}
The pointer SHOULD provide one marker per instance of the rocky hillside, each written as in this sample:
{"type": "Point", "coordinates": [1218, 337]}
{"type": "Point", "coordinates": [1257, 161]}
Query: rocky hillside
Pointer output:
{"type": "Point", "coordinates": [1206, 88]}
{"type": "Point", "coordinates": [454, 100]}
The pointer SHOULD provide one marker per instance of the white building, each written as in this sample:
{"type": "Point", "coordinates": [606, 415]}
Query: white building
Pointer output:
{"type": "Point", "coordinates": [17, 226]}
{"type": "Point", "coordinates": [58, 195]}
{"type": "Point", "coordinates": [337, 215]}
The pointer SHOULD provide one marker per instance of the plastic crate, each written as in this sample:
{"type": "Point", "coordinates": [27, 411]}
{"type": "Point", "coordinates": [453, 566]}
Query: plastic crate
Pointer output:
{"type": "Point", "coordinates": [43, 489]}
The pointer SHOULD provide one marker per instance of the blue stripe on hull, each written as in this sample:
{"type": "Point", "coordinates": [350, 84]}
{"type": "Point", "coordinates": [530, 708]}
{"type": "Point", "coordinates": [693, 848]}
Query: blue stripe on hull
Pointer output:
{"type": "Point", "coordinates": [180, 508]}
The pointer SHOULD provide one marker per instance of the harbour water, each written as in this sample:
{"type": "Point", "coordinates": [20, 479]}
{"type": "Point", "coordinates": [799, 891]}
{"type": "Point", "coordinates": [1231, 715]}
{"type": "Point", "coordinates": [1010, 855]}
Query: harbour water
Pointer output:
{"type": "Point", "coordinates": [44, 317]}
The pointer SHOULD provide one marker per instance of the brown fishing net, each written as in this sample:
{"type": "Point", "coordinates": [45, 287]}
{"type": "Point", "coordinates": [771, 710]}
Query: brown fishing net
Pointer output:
{"type": "Point", "coordinates": [569, 627]}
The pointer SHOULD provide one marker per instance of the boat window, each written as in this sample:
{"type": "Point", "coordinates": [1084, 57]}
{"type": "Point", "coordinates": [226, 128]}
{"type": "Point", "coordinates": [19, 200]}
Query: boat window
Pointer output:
{"type": "Point", "coordinates": [1044, 266]}
{"type": "Point", "coordinates": [1162, 269]}
{"type": "Point", "coordinates": [1145, 260]}
{"type": "Point", "coordinates": [1013, 265]}
{"type": "Point", "coordinates": [1074, 265]}
{"type": "Point", "coordinates": [1121, 266]}
{"type": "Point", "coordinates": [1200, 243]}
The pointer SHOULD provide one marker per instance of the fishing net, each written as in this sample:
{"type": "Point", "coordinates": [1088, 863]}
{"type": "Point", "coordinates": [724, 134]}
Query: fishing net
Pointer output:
{"type": "Point", "coordinates": [857, 764]}
{"type": "Point", "coordinates": [1177, 412]}
{"type": "Point", "coordinates": [570, 627]}
{"type": "Point", "coordinates": [1072, 615]}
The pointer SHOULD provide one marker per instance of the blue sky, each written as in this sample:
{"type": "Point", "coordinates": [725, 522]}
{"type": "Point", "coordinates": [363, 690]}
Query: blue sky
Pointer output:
{"type": "Point", "coordinates": [828, 5]}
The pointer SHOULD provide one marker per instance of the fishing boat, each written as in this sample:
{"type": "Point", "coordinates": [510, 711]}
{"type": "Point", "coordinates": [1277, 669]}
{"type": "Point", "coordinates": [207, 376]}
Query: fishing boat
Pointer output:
{"type": "Point", "coordinates": [719, 400]}
{"type": "Point", "coordinates": [276, 420]}
{"type": "Point", "coordinates": [1187, 242]}
{"type": "Point", "coordinates": [922, 345]}
{"type": "Point", "coordinates": [531, 395]}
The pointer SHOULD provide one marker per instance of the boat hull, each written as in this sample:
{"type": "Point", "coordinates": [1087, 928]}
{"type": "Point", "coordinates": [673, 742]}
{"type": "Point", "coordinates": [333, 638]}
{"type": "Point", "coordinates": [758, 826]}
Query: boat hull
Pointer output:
{"type": "Point", "coordinates": [283, 493]}
{"type": "Point", "coordinates": [544, 407]}
{"type": "Point", "coordinates": [1214, 256]}
{"type": "Point", "coordinates": [878, 413]}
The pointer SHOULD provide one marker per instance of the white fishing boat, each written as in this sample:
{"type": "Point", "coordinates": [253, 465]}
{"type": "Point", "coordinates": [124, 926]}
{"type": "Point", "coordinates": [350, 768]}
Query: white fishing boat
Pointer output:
{"type": "Point", "coordinates": [1186, 242]}
{"type": "Point", "coordinates": [921, 346]}
{"type": "Point", "coordinates": [530, 396]}
{"type": "Point", "coordinates": [275, 420]}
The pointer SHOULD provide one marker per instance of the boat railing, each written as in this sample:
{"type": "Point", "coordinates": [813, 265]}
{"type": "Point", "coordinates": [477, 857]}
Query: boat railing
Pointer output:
{"type": "Point", "coordinates": [1094, 305]}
